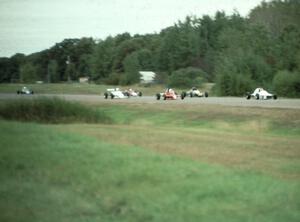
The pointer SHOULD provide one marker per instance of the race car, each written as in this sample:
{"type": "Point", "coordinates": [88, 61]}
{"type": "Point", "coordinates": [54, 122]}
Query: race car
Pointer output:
{"type": "Point", "coordinates": [194, 92]}
{"type": "Point", "coordinates": [115, 93]}
{"type": "Point", "coordinates": [169, 94]}
{"type": "Point", "coordinates": [26, 91]}
{"type": "Point", "coordinates": [260, 93]}
{"type": "Point", "coordinates": [131, 92]}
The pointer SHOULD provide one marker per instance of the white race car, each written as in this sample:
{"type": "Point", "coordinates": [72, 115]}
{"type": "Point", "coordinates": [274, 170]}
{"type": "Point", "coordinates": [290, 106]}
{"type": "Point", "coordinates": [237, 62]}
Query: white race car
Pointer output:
{"type": "Point", "coordinates": [260, 93]}
{"type": "Point", "coordinates": [25, 90]}
{"type": "Point", "coordinates": [131, 92]}
{"type": "Point", "coordinates": [115, 93]}
{"type": "Point", "coordinates": [194, 92]}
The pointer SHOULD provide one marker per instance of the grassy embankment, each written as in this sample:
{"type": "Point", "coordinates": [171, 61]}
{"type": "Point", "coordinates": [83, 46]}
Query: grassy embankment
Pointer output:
{"type": "Point", "coordinates": [51, 110]}
{"type": "Point", "coordinates": [207, 163]}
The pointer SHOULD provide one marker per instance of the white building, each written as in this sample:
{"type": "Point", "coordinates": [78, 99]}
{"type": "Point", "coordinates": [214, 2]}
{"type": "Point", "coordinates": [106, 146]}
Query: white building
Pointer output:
{"type": "Point", "coordinates": [147, 76]}
{"type": "Point", "coordinates": [83, 79]}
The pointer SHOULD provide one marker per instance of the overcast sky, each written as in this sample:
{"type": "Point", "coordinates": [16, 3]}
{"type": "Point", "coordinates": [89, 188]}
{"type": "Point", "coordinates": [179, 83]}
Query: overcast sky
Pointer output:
{"type": "Point", "coordinates": [28, 26]}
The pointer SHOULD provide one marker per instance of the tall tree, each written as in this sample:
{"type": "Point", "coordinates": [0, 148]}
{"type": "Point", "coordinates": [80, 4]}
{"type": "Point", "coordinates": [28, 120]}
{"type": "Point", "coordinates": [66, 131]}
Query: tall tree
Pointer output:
{"type": "Point", "coordinates": [132, 67]}
{"type": "Point", "coordinates": [276, 15]}
{"type": "Point", "coordinates": [52, 72]}
{"type": "Point", "coordinates": [101, 61]}
{"type": "Point", "coordinates": [28, 73]}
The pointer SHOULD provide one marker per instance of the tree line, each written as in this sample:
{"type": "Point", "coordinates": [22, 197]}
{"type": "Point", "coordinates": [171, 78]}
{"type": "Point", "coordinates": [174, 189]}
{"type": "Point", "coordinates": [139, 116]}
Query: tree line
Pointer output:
{"type": "Point", "coordinates": [237, 53]}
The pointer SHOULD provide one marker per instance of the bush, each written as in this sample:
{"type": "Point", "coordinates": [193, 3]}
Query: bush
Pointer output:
{"type": "Point", "coordinates": [187, 77]}
{"type": "Point", "coordinates": [124, 80]}
{"type": "Point", "coordinates": [234, 76]}
{"type": "Point", "coordinates": [233, 84]}
{"type": "Point", "coordinates": [287, 83]}
{"type": "Point", "coordinates": [112, 79]}
{"type": "Point", "coordinates": [51, 110]}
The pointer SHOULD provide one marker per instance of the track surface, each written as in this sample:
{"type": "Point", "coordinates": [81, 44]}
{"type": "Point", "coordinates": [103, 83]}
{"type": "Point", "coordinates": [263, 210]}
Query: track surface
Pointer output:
{"type": "Point", "coordinates": [225, 101]}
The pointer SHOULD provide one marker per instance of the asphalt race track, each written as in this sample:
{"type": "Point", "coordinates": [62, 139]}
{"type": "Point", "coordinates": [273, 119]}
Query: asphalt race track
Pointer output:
{"type": "Point", "coordinates": [225, 101]}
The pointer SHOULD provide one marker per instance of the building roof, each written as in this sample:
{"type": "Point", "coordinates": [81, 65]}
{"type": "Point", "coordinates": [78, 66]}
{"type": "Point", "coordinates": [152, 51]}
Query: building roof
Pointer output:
{"type": "Point", "coordinates": [147, 75]}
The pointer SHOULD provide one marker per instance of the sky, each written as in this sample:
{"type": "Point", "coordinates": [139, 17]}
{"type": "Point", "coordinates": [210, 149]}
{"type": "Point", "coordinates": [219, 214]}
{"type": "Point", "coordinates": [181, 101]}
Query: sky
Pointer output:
{"type": "Point", "coordinates": [28, 26]}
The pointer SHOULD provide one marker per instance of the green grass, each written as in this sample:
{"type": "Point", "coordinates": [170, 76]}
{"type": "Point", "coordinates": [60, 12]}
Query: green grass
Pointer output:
{"type": "Point", "coordinates": [50, 175]}
{"type": "Point", "coordinates": [208, 117]}
{"type": "Point", "coordinates": [152, 163]}
{"type": "Point", "coordinates": [51, 110]}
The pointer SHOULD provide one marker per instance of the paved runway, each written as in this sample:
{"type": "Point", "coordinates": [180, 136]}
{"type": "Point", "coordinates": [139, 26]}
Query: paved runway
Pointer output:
{"type": "Point", "coordinates": [225, 101]}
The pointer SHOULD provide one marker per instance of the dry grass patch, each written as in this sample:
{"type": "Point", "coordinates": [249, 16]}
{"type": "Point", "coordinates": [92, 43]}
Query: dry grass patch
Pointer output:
{"type": "Point", "coordinates": [263, 153]}
{"type": "Point", "coordinates": [260, 139]}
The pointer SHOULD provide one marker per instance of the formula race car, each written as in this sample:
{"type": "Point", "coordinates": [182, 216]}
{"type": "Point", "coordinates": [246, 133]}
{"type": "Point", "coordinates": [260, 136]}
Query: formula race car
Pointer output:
{"type": "Point", "coordinates": [194, 92]}
{"type": "Point", "coordinates": [26, 91]}
{"type": "Point", "coordinates": [115, 93]}
{"type": "Point", "coordinates": [131, 92]}
{"type": "Point", "coordinates": [260, 93]}
{"type": "Point", "coordinates": [169, 94]}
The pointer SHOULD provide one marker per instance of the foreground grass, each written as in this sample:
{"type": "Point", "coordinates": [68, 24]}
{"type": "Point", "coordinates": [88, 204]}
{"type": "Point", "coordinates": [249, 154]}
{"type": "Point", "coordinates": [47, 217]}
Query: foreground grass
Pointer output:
{"type": "Point", "coordinates": [48, 175]}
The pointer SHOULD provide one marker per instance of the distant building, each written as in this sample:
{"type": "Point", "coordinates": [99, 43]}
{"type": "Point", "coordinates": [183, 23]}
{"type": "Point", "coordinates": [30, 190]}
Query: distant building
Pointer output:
{"type": "Point", "coordinates": [147, 76]}
{"type": "Point", "coordinates": [83, 79]}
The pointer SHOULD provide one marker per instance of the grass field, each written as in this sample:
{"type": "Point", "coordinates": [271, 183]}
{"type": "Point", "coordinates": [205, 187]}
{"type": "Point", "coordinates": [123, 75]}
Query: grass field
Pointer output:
{"type": "Point", "coordinates": [154, 163]}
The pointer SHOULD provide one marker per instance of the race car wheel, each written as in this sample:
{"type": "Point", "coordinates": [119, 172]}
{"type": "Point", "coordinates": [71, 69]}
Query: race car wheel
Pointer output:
{"type": "Point", "coordinates": [182, 95]}
{"type": "Point", "coordinates": [275, 97]}
{"type": "Point", "coordinates": [18, 92]}
{"type": "Point", "coordinates": [257, 97]}
{"type": "Point", "coordinates": [164, 97]}
{"type": "Point", "coordinates": [112, 96]}
{"type": "Point", "coordinates": [206, 94]}
{"type": "Point", "coordinates": [105, 95]}
{"type": "Point", "coordinates": [140, 94]}
{"type": "Point", "coordinates": [158, 96]}
{"type": "Point", "coordinates": [32, 92]}
{"type": "Point", "coordinates": [191, 94]}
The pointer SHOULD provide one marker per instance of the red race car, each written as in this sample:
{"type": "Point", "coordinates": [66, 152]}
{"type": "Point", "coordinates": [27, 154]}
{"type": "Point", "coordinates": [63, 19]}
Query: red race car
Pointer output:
{"type": "Point", "coordinates": [169, 94]}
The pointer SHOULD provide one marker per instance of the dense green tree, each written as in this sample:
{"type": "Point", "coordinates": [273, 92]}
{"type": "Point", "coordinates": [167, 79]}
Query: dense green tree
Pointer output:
{"type": "Point", "coordinates": [276, 15]}
{"type": "Point", "coordinates": [230, 81]}
{"type": "Point", "coordinates": [145, 59]}
{"type": "Point", "coordinates": [289, 48]}
{"type": "Point", "coordinates": [52, 72]}
{"type": "Point", "coordinates": [287, 83]}
{"type": "Point", "coordinates": [174, 51]}
{"type": "Point", "coordinates": [187, 77]}
{"type": "Point", "coordinates": [16, 61]}
{"type": "Point", "coordinates": [132, 68]}
{"type": "Point", "coordinates": [84, 65]}
{"type": "Point", "coordinates": [5, 75]}
{"type": "Point", "coordinates": [123, 50]}
{"type": "Point", "coordinates": [28, 73]}
{"type": "Point", "coordinates": [101, 60]}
